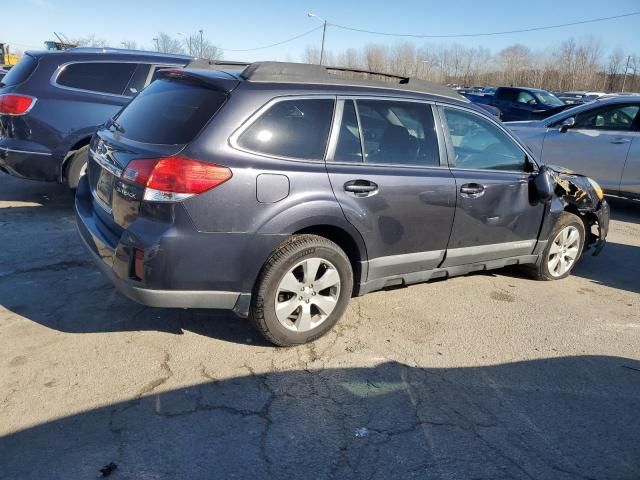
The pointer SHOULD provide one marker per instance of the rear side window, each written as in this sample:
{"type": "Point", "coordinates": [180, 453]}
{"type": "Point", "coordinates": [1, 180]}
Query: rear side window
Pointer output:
{"type": "Point", "coordinates": [20, 72]}
{"type": "Point", "coordinates": [170, 112]}
{"type": "Point", "coordinates": [398, 133]}
{"type": "Point", "coordinates": [100, 77]}
{"type": "Point", "coordinates": [507, 94]}
{"type": "Point", "coordinates": [291, 128]}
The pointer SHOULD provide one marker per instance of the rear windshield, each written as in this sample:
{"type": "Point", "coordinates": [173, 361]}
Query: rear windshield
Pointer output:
{"type": "Point", "coordinates": [169, 112]}
{"type": "Point", "coordinates": [20, 72]}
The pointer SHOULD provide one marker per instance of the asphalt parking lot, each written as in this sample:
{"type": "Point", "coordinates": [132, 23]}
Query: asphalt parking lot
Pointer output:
{"type": "Point", "coordinates": [488, 376]}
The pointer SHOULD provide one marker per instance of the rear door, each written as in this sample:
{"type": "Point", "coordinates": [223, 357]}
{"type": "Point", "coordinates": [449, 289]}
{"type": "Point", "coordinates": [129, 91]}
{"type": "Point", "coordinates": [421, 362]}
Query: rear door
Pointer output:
{"type": "Point", "coordinates": [597, 145]}
{"type": "Point", "coordinates": [388, 171]}
{"type": "Point", "coordinates": [495, 217]}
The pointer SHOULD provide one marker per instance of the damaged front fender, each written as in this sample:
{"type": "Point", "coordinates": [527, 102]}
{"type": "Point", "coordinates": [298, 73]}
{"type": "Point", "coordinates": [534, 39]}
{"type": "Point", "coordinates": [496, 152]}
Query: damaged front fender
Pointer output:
{"type": "Point", "coordinates": [577, 194]}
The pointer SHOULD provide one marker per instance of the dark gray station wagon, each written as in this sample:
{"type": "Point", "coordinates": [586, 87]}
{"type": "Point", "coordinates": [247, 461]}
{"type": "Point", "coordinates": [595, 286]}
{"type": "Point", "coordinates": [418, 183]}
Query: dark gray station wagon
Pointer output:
{"type": "Point", "coordinates": [284, 190]}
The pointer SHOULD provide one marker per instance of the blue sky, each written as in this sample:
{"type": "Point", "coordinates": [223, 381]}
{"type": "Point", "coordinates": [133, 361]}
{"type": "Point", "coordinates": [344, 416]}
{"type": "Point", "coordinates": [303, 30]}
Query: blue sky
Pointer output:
{"type": "Point", "coordinates": [252, 23]}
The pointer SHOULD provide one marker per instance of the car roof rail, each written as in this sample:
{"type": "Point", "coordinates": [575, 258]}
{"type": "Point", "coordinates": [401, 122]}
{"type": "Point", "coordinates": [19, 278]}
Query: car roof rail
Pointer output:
{"type": "Point", "coordinates": [287, 72]}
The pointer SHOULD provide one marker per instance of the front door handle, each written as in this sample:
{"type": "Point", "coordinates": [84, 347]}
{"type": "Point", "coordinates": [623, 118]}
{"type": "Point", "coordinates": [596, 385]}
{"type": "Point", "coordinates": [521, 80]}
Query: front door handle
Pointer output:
{"type": "Point", "coordinates": [360, 188]}
{"type": "Point", "coordinates": [472, 189]}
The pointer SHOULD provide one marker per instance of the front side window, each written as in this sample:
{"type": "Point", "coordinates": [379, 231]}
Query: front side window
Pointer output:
{"type": "Point", "coordinates": [612, 117]}
{"type": "Point", "coordinates": [526, 98]}
{"type": "Point", "coordinates": [393, 133]}
{"type": "Point", "coordinates": [99, 77]}
{"type": "Point", "coordinates": [291, 128]}
{"type": "Point", "coordinates": [479, 144]}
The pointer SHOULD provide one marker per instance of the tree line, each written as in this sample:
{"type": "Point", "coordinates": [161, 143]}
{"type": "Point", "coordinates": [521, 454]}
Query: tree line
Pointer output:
{"type": "Point", "coordinates": [573, 65]}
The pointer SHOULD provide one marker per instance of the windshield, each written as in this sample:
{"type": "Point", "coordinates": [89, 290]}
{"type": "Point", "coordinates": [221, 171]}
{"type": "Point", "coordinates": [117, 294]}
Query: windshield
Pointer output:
{"type": "Point", "coordinates": [569, 112]}
{"type": "Point", "coordinates": [548, 98]}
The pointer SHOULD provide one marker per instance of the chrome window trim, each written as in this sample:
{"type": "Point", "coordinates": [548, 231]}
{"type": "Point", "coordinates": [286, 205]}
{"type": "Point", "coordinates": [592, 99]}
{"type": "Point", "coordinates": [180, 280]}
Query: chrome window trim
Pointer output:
{"type": "Point", "coordinates": [514, 139]}
{"type": "Point", "coordinates": [29, 152]}
{"type": "Point", "coordinates": [233, 139]}
{"type": "Point", "coordinates": [54, 78]}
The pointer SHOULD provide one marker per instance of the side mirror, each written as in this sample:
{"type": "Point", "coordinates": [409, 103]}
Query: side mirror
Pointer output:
{"type": "Point", "coordinates": [567, 124]}
{"type": "Point", "coordinates": [544, 184]}
{"type": "Point", "coordinates": [532, 102]}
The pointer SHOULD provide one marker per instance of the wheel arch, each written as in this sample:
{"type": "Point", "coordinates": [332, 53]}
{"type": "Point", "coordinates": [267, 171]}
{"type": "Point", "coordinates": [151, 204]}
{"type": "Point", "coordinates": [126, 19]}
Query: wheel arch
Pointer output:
{"type": "Point", "coordinates": [83, 142]}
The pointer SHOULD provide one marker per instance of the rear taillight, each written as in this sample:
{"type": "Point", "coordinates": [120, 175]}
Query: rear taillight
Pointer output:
{"type": "Point", "coordinates": [15, 104]}
{"type": "Point", "coordinates": [172, 179]}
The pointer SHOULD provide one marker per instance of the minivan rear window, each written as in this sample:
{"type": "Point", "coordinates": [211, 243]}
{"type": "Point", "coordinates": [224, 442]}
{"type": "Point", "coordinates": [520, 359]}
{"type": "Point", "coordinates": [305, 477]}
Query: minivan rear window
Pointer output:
{"type": "Point", "coordinates": [20, 72]}
{"type": "Point", "coordinates": [169, 112]}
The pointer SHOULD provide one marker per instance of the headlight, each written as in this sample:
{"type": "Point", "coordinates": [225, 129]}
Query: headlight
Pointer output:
{"type": "Point", "coordinates": [596, 187]}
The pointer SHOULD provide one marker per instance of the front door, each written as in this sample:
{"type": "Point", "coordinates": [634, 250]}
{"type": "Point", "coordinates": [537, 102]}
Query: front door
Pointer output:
{"type": "Point", "coordinates": [388, 175]}
{"type": "Point", "coordinates": [597, 145]}
{"type": "Point", "coordinates": [495, 215]}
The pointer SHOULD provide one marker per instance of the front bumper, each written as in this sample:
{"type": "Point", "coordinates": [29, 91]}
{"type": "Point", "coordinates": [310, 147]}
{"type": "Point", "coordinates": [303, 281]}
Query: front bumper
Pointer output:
{"type": "Point", "coordinates": [603, 214]}
{"type": "Point", "coordinates": [108, 255]}
{"type": "Point", "coordinates": [31, 164]}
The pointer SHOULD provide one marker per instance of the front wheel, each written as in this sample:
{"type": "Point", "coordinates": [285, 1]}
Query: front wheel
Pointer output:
{"type": "Point", "coordinates": [302, 291]}
{"type": "Point", "coordinates": [563, 249]}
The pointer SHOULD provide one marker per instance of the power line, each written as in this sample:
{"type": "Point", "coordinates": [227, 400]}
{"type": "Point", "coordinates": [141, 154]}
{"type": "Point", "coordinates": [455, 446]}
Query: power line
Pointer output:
{"type": "Point", "coordinates": [485, 34]}
{"type": "Point", "coordinates": [273, 44]}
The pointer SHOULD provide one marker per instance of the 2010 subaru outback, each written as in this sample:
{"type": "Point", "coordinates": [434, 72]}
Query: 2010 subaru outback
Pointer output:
{"type": "Point", "coordinates": [282, 191]}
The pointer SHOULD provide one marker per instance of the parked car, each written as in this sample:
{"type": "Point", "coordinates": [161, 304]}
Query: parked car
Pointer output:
{"type": "Point", "coordinates": [520, 103]}
{"type": "Point", "coordinates": [51, 103]}
{"type": "Point", "coordinates": [600, 139]}
{"type": "Point", "coordinates": [484, 102]}
{"type": "Point", "coordinates": [282, 191]}
{"type": "Point", "coordinates": [580, 97]}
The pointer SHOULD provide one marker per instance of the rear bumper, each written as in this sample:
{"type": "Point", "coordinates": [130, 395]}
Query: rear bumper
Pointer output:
{"type": "Point", "coordinates": [113, 258]}
{"type": "Point", "coordinates": [28, 162]}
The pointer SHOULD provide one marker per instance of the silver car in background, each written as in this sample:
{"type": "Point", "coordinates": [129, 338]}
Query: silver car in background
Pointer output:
{"type": "Point", "coordinates": [600, 139]}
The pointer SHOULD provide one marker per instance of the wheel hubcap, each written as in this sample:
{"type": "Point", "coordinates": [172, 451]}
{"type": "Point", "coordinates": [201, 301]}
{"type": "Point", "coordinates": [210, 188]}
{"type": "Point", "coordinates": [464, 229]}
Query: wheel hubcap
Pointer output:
{"type": "Point", "coordinates": [307, 294]}
{"type": "Point", "coordinates": [564, 251]}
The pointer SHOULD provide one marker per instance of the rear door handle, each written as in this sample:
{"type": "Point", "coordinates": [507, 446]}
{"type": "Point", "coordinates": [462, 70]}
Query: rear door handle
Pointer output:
{"type": "Point", "coordinates": [472, 189]}
{"type": "Point", "coordinates": [360, 188]}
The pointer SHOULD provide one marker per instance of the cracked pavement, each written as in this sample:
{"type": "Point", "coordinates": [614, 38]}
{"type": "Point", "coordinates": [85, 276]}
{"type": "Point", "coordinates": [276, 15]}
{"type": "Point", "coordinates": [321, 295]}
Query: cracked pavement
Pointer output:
{"type": "Point", "coordinates": [489, 376]}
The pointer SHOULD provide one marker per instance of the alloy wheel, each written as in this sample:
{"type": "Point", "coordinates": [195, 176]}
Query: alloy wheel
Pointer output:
{"type": "Point", "coordinates": [564, 251]}
{"type": "Point", "coordinates": [307, 294]}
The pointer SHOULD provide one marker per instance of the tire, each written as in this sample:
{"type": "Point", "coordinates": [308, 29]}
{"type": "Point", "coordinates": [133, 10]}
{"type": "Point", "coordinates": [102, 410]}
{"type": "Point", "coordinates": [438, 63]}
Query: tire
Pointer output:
{"type": "Point", "coordinates": [315, 309]}
{"type": "Point", "coordinates": [76, 167]}
{"type": "Point", "coordinates": [547, 267]}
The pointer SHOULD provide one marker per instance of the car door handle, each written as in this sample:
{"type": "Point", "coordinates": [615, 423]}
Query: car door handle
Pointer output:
{"type": "Point", "coordinates": [360, 188]}
{"type": "Point", "coordinates": [472, 189]}
{"type": "Point", "coordinates": [620, 141]}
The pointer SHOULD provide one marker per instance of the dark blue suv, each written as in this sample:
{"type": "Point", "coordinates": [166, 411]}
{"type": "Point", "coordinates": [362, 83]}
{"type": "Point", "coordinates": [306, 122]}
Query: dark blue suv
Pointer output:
{"type": "Point", "coordinates": [281, 191]}
{"type": "Point", "coordinates": [52, 102]}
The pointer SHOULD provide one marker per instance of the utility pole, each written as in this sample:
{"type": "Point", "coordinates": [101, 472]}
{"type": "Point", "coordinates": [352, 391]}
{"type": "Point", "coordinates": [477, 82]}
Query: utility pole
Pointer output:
{"type": "Point", "coordinates": [157, 44]}
{"type": "Point", "coordinates": [324, 33]}
{"type": "Point", "coordinates": [626, 69]}
{"type": "Point", "coordinates": [201, 44]}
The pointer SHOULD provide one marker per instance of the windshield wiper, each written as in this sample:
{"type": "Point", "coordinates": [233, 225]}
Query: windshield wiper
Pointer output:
{"type": "Point", "coordinates": [117, 126]}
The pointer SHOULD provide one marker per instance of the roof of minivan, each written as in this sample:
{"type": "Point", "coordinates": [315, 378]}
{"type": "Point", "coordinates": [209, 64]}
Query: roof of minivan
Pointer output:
{"type": "Point", "coordinates": [309, 74]}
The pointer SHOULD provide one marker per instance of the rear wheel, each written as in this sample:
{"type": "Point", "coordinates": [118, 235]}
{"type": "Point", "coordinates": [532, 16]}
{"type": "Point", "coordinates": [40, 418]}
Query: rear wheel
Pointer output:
{"type": "Point", "coordinates": [76, 167]}
{"type": "Point", "coordinates": [563, 248]}
{"type": "Point", "coordinates": [302, 291]}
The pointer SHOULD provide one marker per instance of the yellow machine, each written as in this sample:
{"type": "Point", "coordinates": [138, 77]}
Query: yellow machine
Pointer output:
{"type": "Point", "coordinates": [6, 58]}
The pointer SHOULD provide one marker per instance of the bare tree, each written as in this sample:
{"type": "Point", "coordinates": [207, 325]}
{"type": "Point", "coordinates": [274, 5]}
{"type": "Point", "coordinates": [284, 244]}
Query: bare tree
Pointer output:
{"type": "Point", "coordinates": [203, 48]}
{"type": "Point", "coordinates": [129, 44]}
{"type": "Point", "coordinates": [165, 43]}
{"type": "Point", "coordinates": [311, 54]}
{"type": "Point", "coordinates": [90, 41]}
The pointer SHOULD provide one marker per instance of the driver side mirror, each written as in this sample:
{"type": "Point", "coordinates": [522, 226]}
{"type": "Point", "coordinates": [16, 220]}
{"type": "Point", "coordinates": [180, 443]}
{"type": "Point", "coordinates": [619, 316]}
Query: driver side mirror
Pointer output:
{"type": "Point", "coordinates": [567, 124]}
{"type": "Point", "coordinates": [544, 184]}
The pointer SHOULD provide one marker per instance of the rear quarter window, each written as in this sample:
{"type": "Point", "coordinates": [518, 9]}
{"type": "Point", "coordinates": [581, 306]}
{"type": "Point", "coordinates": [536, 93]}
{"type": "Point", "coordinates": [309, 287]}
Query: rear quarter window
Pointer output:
{"type": "Point", "coordinates": [20, 72]}
{"type": "Point", "coordinates": [170, 112]}
{"type": "Point", "coordinates": [296, 128]}
{"type": "Point", "coordinates": [99, 77]}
